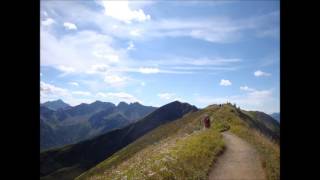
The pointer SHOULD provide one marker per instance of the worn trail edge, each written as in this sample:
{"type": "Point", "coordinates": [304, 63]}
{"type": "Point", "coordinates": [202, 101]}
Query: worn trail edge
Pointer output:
{"type": "Point", "coordinates": [240, 161]}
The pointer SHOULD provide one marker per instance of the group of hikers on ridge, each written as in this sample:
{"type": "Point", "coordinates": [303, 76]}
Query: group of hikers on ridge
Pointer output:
{"type": "Point", "coordinates": [206, 120]}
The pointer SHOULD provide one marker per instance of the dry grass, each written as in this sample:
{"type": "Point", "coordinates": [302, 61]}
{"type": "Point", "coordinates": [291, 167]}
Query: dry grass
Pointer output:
{"type": "Point", "coordinates": [183, 150]}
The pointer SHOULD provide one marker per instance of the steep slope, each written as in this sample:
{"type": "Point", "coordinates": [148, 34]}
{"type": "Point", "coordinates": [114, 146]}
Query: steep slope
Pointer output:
{"type": "Point", "coordinates": [55, 105]}
{"type": "Point", "coordinates": [183, 149]}
{"type": "Point", "coordinates": [272, 126]}
{"type": "Point", "coordinates": [134, 110]}
{"type": "Point", "coordinates": [73, 124]}
{"type": "Point", "coordinates": [276, 116]}
{"type": "Point", "coordinates": [70, 161]}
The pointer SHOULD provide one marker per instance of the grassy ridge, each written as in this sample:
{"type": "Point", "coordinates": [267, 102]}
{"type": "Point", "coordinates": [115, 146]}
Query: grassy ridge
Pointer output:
{"type": "Point", "coordinates": [269, 151]}
{"type": "Point", "coordinates": [187, 157]}
{"type": "Point", "coordinates": [178, 150]}
{"type": "Point", "coordinates": [182, 149]}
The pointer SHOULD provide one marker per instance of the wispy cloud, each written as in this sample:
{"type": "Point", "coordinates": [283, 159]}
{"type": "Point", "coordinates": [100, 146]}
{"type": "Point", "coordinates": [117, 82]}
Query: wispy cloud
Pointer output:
{"type": "Point", "coordinates": [130, 46]}
{"type": "Point", "coordinates": [148, 70]}
{"type": "Point", "coordinates": [77, 51]}
{"type": "Point", "coordinates": [65, 69]}
{"type": "Point", "coordinates": [262, 100]}
{"type": "Point", "coordinates": [225, 82]}
{"type": "Point", "coordinates": [116, 80]}
{"type": "Point", "coordinates": [81, 93]}
{"type": "Point", "coordinates": [109, 34]}
{"type": "Point", "coordinates": [118, 96]}
{"type": "Point", "coordinates": [74, 83]}
{"type": "Point", "coordinates": [51, 92]}
{"type": "Point", "coordinates": [70, 26]}
{"type": "Point", "coordinates": [260, 73]}
{"type": "Point", "coordinates": [215, 29]}
{"type": "Point", "coordinates": [166, 96]}
{"type": "Point", "coordinates": [47, 22]}
{"type": "Point", "coordinates": [120, 10]}
{"type": "Point", "coordinates": [98, 68]}
{"type": "Point", "coordinates": [47, 89]}
{"type": "Point", "coordinates": [246, 88]}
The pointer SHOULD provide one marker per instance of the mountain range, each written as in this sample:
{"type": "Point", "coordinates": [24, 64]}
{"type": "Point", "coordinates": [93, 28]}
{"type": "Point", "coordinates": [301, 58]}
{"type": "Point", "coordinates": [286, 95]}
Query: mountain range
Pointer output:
{"type": "Point", "coordinates": [62, 124]}
{"type": "Point", "coordinates": [69, 161]}
{"type": "Point", "coordinates": [55, 105]}
{"type": "Point", "coordinates": [99, 140]}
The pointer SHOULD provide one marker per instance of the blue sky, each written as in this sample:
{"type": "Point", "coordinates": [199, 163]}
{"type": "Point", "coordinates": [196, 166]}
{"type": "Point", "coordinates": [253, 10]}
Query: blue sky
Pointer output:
{"type": "Point", "coordinates": [155, 52]}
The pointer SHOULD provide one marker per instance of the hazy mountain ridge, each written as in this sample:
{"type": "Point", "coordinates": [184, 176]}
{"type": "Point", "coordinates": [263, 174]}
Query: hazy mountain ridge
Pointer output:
{"type": "Point", "coordinates": [55, 105]}
{"type": "Point", "coordinates": [69, 125]}
{"type": "Point", "coordinates": [276, 116]}
{"type": "Point", "coordinates": [83, 155]}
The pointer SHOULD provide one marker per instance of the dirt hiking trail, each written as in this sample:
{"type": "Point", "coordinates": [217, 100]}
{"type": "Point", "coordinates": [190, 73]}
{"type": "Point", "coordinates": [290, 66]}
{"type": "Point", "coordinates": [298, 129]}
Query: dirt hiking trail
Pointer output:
{"type": "Point", "coordinates": [239, 161]}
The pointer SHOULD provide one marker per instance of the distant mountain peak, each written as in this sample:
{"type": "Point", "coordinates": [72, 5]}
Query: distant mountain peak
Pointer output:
{"type": "Point", "coordinates": [58, 100]}
{"type": "Point", "coordinates": [98, 101]}
{"type": "Point", "coordinates": [136, 103]}
{"type": "Point", "coordinates": [176, 102]}
{"type": "Point", "coordinates": [56, 104]}
{"type": "Point", "coordinates": [122, 103]}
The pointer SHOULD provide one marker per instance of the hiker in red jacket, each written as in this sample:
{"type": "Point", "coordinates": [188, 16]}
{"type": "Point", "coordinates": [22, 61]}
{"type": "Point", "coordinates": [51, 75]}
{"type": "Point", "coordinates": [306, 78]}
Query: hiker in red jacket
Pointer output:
{"type": "Point", "coordinates": [206, 121]}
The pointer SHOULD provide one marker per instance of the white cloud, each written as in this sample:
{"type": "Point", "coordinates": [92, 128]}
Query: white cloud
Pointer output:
{"type": "Point", "coordinates": [112, 58]}
{"type": "Point", "coordinates": [47, 22]}
{"type": "Point", "coordinates": [74, 83]}
{"type": "Point", "coordinates": [98, 68]}
{"type": "Point", "coordinates": [143, 84]}
{"type": "Point", "coordinates": [130, 46]}
{"type": "Point", "coordinates": [213, 63]}
{"type": "Point", "coordinates": [166, 96]}
{"type": "Point", "coordinates": [78, 50]}
{"type": "Point", "coordinates": [272, 32]}
{"type": "Point", "coordinates": [148, 70]}
{"type": "Point", "coordinates": [115, 80]}
{"type": "Point", "coordinates": [246, 88]}
{"type": "Point", "coordinates": [259, 73]}
{"type": "Point", "coordinates": [51, 92]}
{"type": "Point", "coordinates": [135, 32]}
{"type": "Point", "coordinates": [45, 13]}
{"type": "Point", "coordinates": [120, 10]}
{"type": "Point", "coordinates": [81, 93]}
{"type": "Point", "coordinates": [261, 100]}
{"type": "Point", "coordinates": [119, 96]}
{"type": "Point", "coordinates": [78, 100]}
{"type": "Point", "coordinates": [66, 69]}
{"type": "Point", "coordinates": [215, 29]}
{"type": "Point", "coordinates": [225, 82]}
{"type": "Point", "coordinates": [69, 26]}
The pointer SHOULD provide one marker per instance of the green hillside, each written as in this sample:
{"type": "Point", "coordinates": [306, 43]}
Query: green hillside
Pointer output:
{"type": "Point", "coordinates": [183, 149]}
{"type": "Point", "coordinates": [70, 161]}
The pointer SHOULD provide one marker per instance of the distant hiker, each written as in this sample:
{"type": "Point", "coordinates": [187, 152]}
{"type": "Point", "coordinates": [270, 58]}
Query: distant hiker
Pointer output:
{"type": "Point", "coordinates": [206, 121]}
